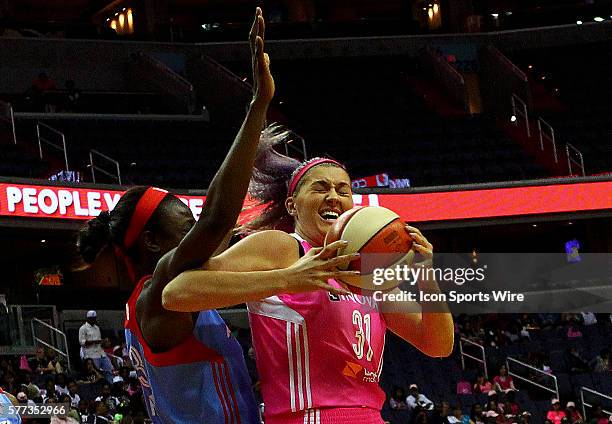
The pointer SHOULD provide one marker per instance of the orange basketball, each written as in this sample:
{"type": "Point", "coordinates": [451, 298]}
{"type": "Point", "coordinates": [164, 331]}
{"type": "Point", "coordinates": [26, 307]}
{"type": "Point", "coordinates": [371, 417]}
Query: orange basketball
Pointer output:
{"type": "Point", "coordinates": [378, 234]}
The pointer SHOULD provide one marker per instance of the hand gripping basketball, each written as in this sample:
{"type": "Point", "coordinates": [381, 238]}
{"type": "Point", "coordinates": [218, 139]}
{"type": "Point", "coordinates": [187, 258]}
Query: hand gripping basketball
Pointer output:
{"type": "Point", "coordinates": [313, 270]}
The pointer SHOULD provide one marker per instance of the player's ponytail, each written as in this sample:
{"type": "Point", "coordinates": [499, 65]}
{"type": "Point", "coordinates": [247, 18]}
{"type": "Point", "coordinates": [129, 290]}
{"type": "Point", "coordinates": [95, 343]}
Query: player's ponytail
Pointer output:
{"type": "Point", "coordinates": [94, 236]}
{"type": "Point", "coordinates": [268, 186]}
{"type": "Point", "coordinates": [109, 228]}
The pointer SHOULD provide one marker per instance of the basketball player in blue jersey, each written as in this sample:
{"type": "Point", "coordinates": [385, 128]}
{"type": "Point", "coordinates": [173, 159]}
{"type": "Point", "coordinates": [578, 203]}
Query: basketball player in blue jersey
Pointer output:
{"type": "Point", "coordinates": [6, 415]}
{"type": "Point", "coordinates": [190, 367]}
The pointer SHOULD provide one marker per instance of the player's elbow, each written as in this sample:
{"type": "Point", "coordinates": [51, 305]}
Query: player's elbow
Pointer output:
{"type": "Point", "coordinates": [173, 298]}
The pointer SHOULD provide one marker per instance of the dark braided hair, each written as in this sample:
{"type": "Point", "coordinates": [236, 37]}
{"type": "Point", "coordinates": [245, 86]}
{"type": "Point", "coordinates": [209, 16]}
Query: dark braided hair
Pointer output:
{"type": "Point", "coordinates": [109, 228]}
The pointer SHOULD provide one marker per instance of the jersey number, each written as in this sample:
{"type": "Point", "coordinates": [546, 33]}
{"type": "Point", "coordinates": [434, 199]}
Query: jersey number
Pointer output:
{"type": "Point", "coordinates": [362, 336]}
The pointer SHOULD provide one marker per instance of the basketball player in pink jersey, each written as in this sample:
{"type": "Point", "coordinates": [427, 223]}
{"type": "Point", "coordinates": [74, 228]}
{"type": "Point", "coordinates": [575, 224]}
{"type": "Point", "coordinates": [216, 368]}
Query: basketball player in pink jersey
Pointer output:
{"type": "Point", "coordinates": [319, 354]}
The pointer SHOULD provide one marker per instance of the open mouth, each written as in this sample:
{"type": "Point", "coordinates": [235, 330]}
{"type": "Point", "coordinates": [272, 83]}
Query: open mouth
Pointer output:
{"type": "Point", "coordinates": [329, 215]}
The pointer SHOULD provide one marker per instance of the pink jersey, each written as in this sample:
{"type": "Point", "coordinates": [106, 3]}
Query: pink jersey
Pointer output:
{"type": "Point", "coordinates": [317, 351]}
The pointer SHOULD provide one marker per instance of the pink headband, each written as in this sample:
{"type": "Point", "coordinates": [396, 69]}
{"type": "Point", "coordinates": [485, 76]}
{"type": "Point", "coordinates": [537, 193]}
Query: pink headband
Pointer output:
{"type": "Point", "coordinates": [296, 179]}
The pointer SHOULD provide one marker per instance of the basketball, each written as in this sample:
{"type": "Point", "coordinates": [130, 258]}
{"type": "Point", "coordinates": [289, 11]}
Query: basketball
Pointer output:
{"type": "Point", "coordinates": [378, 234]}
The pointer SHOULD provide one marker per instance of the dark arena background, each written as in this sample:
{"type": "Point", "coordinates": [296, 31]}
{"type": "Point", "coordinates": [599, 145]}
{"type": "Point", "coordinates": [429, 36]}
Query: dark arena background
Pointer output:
{"type": "Point", "coordinates": [486, 124]}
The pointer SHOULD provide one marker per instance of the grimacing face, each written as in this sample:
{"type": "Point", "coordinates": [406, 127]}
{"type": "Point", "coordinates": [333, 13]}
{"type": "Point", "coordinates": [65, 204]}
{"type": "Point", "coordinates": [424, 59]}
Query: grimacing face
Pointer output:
{"type": "Point", "coordinates": [324, 194]}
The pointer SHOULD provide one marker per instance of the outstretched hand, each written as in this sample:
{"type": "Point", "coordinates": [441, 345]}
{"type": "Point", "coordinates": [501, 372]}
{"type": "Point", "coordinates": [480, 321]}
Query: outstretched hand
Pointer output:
{"type": "Point", "coordinates": [263, 82]}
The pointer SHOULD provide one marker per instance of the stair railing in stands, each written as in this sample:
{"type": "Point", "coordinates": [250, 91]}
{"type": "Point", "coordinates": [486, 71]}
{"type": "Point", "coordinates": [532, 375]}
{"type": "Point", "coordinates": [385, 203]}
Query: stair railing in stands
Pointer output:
{"type": "Point", "coordinates": [519, 110]}
{"type": "Point", "coordinates": [168, 81]}
{"type": "Point", "coordinates": [548, 136]}
{"type": "Point", "coordinates": [464, 355]}
{"type": "Point", "coordinates": [116, 176]}
{"type": "Point", "coordinates": [50, 344]}
{"type": "Point", "coordinates": [590, 405]}
{"type": "Point", "coordinates": [554, 391]}
{"type": "Point", "coordinates": [569, 148]}
{"type": "Point", "coordinates": [43, 139]}
{"type": "Point", "coordinates": [6, 114]}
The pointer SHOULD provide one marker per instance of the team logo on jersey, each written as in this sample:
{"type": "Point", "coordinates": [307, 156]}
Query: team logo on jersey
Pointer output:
{"type": "Point", "coordinates": [351, 369]}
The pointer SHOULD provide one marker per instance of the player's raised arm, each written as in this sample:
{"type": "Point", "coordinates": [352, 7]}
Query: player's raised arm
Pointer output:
{"type": "Point", "coordinates": [229, 186]}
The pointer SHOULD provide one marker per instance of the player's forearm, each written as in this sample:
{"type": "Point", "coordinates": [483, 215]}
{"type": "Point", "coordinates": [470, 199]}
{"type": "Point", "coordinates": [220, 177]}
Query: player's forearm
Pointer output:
{"type": "Point", "coordinates": [428, 326]}
{"type": "Point", "coordinates": [226, 193]}
{"type": "Point", "coordinates": [194, 291]}
{"type": "Point", "coordinates": [225, 197]}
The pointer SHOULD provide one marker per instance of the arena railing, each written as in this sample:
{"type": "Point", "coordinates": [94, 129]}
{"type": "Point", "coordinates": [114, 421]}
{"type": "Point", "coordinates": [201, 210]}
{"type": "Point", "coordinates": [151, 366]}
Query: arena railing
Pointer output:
{"type": "Point", "coordinates": [519, 110]}
{"type": "Point", "coordinates": [590, 405]}
{"type": "Point", "coordinates": [116, 176]}
{"type": "Point", "coordinates": [150, 70]}
{"type": "Point", "coordinates": [42, 138]}
{"type": "Point", "coordinates": [569, 150]}
{"type": "Point", "coordinates": [549, 136]}
{"type": "Point", "coordinates": [52, 344]}
{"type": "Point", "coordinates": [510, 360]}
{"type": "Point", "coordinates": [482, 361]}
{"type": "Point", "coordinates": [6, 114]}
{"type": "Point", "coordinates": [20, 317]}
{"type": "Point", "coordinates": [446, 75]}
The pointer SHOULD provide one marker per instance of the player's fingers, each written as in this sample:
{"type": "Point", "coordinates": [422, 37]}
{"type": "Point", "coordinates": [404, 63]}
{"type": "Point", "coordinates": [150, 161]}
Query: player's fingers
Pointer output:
{"type": "Point", "coordinates": [339, 275]}
{"type": "Point", "coordinates": [341, 260]}
{"type": "Point", "coordinates": [253, 32]}
{"type": "Point", "coordinates": [335, 290]}
{"type": "Point", "coordinates": [261, 26]}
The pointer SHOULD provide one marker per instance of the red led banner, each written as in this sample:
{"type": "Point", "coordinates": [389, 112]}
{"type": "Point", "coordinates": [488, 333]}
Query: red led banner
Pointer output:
{"type": "Point", "coordinates": [37, 201]}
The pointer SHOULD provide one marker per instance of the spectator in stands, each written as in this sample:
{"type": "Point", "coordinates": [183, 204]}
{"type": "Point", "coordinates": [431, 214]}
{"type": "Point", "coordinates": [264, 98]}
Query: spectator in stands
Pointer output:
{"type": "Point", "coordinates": [575, 363]}
{"type": "Point", "coordinates": [22, 398]}
{"type": "Point", "coordinates": [29, 387]}
{"type": "Point", "coordinates": [493, 417]}
{"type": "Point", "coordinates": [90, 374]}
{"type": "Point", "coordinates": [102, 415]}
{"type": "Point", "coordinates": [419, 416]}
{"type": "Point", "coordinates": [49, 390]}
{"type": "Point", "coordinates": [556, 414]}
{"type": "Point", "coordinates": [476, 414]}
{"type": "Point", "coordinates": [61, 386]}
{"type": "Point", "coordinates": [109, 400]}
{"type": "Point", "coordinates": [573, 332]}
{"type": "Point", "coordinates": [39, 363]}
{"type": "Point", "coordinates": [54, 365]}
{"type": "Point", "coordinates": [440, 412]}
{"type": "Point", "coordinates": [457, 417]}
{"type": "Point", "coordinates": [482, 385]}
{"type": "Point", "coordinates": [73, 97]}
{"type": "Point", "coordinates": [511, 407]}
{"type": "Point", "coordinates": [398, 400]}
{"type": "Point", "coordinates": [43, 83]}
{"type": "Point", "coordinates": [91, 343]}
{"type": "Point", "coordinates": [588, 318]}
{"type": "Point", "coordinates": [525, 418]}
{"type": "Point", "coordinates": [599, 417]}
{"type": "Point", "coordinates": [415, 399]}
{"type": "Point", "coordinates": [572, 413]}
{"type": "Point", "coordinates": [9, 384]}
{"type": "Point", "coordinates": [83, 410]}
{"type": "Point", "coordinates": [503, 381]}
{"type": "Point", "coordinates": [72, 392]}
{"type": "Point", "coordinates": [602, 362]}
{"type": "Point", "coordinates": [492, 405]}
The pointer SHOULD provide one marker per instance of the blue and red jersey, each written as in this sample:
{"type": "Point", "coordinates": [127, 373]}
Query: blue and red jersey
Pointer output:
{"type": "Point", "coordinates": [202, 380]}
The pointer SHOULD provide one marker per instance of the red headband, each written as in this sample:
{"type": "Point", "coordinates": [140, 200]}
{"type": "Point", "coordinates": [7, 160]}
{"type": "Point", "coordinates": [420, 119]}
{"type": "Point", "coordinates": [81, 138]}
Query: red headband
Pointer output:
{"type": "Point", "coordinates": [145, 207]}
{"type": "Point", "coordinates": [296, 179]}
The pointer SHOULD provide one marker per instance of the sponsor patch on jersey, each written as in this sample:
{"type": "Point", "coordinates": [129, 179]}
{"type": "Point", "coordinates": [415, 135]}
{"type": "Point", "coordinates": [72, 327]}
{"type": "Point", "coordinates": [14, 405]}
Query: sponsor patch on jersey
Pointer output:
{"type": "Point", "coordinates": [351, 369]}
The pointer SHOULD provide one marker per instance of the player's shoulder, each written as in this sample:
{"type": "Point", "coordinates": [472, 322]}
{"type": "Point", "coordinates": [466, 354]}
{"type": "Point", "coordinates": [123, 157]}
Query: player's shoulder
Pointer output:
{"type": "Point", "coordinates": [262, 250]}
{"type": "Point", "coordinates": [270, 238]}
